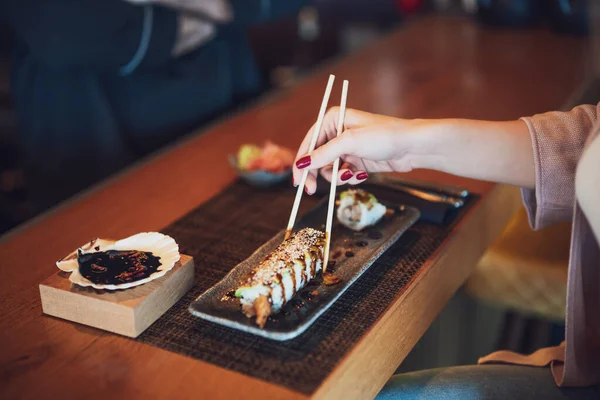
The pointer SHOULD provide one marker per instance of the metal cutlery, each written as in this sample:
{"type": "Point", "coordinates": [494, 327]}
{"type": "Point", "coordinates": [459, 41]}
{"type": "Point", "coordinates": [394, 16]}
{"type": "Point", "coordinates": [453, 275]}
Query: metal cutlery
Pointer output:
{"type": "Point", "coordinates": [425, 191]}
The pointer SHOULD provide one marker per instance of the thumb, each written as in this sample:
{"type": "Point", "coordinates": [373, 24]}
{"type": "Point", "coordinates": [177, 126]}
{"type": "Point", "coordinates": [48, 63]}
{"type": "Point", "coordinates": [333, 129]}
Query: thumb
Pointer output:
{"type": "Point", "coordinates": [327, 153]}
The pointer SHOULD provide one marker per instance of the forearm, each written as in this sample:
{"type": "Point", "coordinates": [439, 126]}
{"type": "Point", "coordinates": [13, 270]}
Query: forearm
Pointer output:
{"type": "Point", "coordinates": [492, 151]}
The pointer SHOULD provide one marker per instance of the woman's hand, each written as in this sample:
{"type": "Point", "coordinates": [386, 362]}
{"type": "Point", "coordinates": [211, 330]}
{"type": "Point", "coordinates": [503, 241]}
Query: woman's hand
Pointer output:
{"type": "Point", "coordinates": [369, 143]}
{"type": "Point", "coordinates": [486, 150]}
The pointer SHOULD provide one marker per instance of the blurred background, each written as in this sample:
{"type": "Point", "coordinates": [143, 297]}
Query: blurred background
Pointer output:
{"type": "Point", "coordinates": [76, 106]}
{"type": "Point", "coordinates": [89, 87]}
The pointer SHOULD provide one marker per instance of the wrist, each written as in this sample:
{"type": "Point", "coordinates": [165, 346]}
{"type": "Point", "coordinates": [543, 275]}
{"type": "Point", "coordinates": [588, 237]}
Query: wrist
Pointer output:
{"type": "Point", "coordinates": [426, 142]}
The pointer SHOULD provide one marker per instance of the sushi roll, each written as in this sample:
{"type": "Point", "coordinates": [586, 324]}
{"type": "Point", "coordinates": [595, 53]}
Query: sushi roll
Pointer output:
{"type": "Point", "coordinates": [282, 274]}
{"type": "Point", "coordinates": [359, 209]}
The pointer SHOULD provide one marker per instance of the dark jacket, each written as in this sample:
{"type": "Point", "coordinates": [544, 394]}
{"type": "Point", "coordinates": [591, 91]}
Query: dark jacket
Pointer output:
{"type": "Point", "coordinates": [80, 119]}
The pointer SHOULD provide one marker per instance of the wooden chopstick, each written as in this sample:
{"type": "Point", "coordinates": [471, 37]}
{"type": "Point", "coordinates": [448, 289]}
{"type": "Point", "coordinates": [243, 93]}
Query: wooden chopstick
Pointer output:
{"type": "Point", "coordinates": [313, 143]}
{"type": "Point", "coordinates": [334, 178]}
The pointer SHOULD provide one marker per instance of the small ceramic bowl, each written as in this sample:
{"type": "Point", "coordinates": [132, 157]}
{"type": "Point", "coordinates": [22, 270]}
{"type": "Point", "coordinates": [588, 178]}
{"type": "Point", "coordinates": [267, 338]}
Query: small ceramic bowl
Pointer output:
{"type": "Point", "coordinates": [260, 178]}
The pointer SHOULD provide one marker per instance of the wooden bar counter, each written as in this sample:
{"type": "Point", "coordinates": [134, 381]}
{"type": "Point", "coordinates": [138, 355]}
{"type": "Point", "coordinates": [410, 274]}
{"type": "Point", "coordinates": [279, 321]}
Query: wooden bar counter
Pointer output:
{"type": "Point", "coordinates": [431, 68]}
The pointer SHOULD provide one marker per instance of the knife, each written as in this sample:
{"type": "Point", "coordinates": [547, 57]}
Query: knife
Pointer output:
{"type": "Point", "coordinates": [424, 193]}
{"type": "Point", "coordinates": [450, 190]}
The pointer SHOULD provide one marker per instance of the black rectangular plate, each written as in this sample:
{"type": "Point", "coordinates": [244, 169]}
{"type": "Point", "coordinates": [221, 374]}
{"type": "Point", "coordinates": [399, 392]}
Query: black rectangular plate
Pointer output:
{"type": "Point", "coordinates": [214, 304]}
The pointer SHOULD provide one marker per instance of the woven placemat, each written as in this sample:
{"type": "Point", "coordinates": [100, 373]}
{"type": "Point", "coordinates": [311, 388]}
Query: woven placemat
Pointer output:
{"type": "Point", "coordinates": [226, 230]}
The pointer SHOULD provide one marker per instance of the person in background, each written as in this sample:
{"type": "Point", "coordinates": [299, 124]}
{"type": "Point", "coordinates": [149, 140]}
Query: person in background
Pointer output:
{"type": "Point", "coordinates": [99, 83]}
{"type": "Point", "coordinates": [555, 158]}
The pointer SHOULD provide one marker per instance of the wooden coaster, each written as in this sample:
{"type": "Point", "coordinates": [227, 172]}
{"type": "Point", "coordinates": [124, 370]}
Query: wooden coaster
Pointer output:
{"type": "Point", "coordinates": [127, 312]}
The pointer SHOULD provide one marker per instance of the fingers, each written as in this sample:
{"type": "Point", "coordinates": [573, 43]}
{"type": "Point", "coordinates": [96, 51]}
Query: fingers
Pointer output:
{"type": "Point", "coordinates": [311, 182]}
{"type": "Point", "coordinates": [328, 130]}
{"type": "Point", "coordinates": [351, 175]}
{"type": "Point", "coordinates": [327, 153]}
{"type": "Point", "coordinates": [310, 186]}
{"type": "Point", "coordinates": [323, 156]}
{"type": "Point", "coordinates": [326, 173]}
{"type": "Point", "coordinates": [343, 178]}
{"type": "Point", "coordinates": [329, 146]}
{"type": "Point", "coordinates": [303, 149]}
{"type": "Point", "coordinates": [352, 119]}
{"type": "Point", "coordinates": [359, 177]}
{"type": "Point", "coordinates": [346, 173]}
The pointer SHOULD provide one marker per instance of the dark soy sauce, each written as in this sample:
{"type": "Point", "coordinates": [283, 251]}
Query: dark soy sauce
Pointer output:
{"type": "Point", "coordinates": [116, 267]}
{"type": "Point", "coordinates": [349, 253]}
{"type": "Point", "coordinates": [313, 283]}
{"type": "Point", "coordinates": [375, 235]}
{"type": "Point", "coordinates": [296, 303]}
{"type": "Point", "coordinates": [307, 295]}
{"type": "Point", "coordinates": [362, 243]}
{"type": "Point", "coordinates": [331, 266]}
{"type": "Point", "coordinates": [278, 317]}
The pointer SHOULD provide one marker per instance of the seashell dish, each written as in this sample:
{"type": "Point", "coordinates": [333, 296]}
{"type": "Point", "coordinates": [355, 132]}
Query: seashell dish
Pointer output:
{"type": "Point", "coordinates": [112, 265]}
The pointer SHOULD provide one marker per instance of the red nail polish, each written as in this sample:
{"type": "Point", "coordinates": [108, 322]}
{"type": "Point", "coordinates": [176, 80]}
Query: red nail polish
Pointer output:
{"type": "Point", "coordinates": [347, 175]}
{"type": "Point", "coordinates": [306, 190]}
{"type": "Point", "coordinates": [362, 176]}
{"type": "Point", "coordinates": [303, 162]}
{"type": "Point", "coordinates": [293, 181]}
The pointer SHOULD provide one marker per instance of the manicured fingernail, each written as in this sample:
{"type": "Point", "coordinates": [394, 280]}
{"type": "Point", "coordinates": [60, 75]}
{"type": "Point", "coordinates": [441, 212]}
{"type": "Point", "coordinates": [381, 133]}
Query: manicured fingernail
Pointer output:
{"type": "Point", "coordinates": [303, 162]}
{"type": "Point", "coordinates": [361, 176]}
{"type": "Point", "coordinates": [293, 182]}
{"type": "Point", "coordinates": [347, 175]}
{"type": "Point", "coordinates": [306, 190]}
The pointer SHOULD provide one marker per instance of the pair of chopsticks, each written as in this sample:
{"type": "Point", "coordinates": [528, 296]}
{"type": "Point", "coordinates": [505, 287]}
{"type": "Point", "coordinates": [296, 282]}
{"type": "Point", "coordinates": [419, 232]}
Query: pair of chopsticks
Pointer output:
{"type": "Point", "coordinates": [334, 173]}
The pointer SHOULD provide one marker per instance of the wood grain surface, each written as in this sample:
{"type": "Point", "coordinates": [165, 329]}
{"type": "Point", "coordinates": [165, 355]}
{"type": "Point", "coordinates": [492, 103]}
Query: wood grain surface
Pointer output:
{"type": "Point", "coordinates": [430, 68]}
